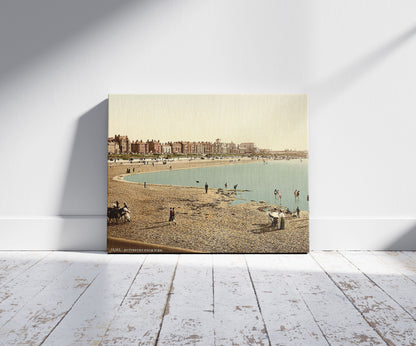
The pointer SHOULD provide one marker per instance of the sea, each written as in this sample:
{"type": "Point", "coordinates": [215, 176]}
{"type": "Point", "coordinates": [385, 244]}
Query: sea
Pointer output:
{"type": "Point", "coordinates": [256, 181]}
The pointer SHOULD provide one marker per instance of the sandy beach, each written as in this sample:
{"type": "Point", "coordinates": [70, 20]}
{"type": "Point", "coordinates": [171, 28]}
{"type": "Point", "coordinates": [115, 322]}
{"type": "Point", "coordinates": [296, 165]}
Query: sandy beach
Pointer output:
{"type": "Point", "coordinates": [204, 222]}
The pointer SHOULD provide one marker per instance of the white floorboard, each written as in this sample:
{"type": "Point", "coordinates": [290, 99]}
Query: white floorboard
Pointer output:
{"type": "Point", "coordinates": [337, 318]}
{"type": "Point", "coordinates": [39, 316]}
{"type": "Point", "coordinates": [238, 320]}
{"type": "Point", "coordinates": [189, 315]}
{"type": "Point", "coordinates": [386, 276]}
{"type": "Point", "coordinates": [336, 298]}
{"type": "Point", "coordinates": [287, 317]}
{"type": "Point", "coordinates": [92, 314]}
{"type": "Point", "coordinates": [139, 317]}
{"type": "Point", "coordinates": [12, 264]}
{"type": "Point", "coordinates": [384, 314]}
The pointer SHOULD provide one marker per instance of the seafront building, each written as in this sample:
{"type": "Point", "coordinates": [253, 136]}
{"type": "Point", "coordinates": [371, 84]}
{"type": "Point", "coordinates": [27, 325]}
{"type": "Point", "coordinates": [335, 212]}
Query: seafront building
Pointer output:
{"type": "Point", "coordinates": [123, 145]}
{"type": "Point", "coordinates": [155, 147]}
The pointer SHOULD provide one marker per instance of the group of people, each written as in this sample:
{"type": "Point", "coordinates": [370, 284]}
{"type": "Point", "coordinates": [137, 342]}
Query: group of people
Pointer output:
{"type": "Point", "coordinates": [277, 193]}
{"type": "Point", "coordinates": [128, 170]}
{"type": "Point", "coordinates": [296, 193]}
{"type": "Point", "coordinates": [225, 185]}
{"type": "Point", "coordinates": [278, 219]}
{"type": "Point", "coordinates": [118, 213]}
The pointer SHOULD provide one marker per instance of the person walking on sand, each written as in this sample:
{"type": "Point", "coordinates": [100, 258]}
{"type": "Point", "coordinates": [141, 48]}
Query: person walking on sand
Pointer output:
{"type": "Point", "coordinates": [144, 184]}
{"type": "Point", "coordinates": [170, 214]}
{"type": "Point", "coordinates": [206, 187]}
{"type": "Point", "coordinates": [173, 216]}
{"type": "Point", "coordinates": [297, 211]}
{"type": "Point", "coordinates": [282, 220]}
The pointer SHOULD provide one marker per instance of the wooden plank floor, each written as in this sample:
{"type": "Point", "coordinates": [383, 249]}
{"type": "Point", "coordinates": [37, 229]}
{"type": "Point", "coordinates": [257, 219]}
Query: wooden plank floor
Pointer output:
{"type": "Point", "coordinates": [330, 297]}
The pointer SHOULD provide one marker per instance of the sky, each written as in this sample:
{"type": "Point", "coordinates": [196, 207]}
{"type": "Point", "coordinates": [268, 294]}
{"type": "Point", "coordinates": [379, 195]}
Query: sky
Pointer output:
{"type": "Point", "coordinates": [271, 121]}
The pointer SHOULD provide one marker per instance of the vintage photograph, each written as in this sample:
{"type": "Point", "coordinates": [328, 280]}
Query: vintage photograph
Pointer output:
{"type": "Point", "coordinates": [208, 174]}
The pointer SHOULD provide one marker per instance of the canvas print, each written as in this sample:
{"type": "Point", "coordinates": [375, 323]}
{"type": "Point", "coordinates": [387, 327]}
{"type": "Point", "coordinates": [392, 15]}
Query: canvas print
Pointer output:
{"type": "Point", "coordinates": [208, 174]}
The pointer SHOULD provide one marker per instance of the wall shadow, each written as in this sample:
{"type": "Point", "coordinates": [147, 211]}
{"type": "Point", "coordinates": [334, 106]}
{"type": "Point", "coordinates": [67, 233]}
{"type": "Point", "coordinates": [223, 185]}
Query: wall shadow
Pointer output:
{"type": "Point", "coordinates": [325, 91]}
{"type": "Point", "coordinates": [85, 187]}
{"type": "Point", "coordinates": [406, 242]}
{"type": "Point", "coordinates": [30, 30]}
{"type": "Point", "coordinates": [84, 197]}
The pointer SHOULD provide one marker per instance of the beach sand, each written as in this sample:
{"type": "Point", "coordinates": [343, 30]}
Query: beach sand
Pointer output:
{"type": "Point", "coordinates": [204, 222]}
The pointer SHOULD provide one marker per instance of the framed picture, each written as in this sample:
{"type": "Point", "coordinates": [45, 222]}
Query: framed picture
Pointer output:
{"type": "Point", "coordinates": [208, 174]}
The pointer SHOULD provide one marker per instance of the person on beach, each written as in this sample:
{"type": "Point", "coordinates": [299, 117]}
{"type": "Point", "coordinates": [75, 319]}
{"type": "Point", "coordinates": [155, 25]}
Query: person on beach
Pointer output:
{"type": "Point", "coordinates": [307, 198]}
{"type": "Point", "coordinates": [144, 184]}
{"type": "Point", "coordinates": [170, 214]}
{"type": "Point", "coordinates": [275, 218]}
{"type": "Point", "coordinates": [225, 185]}
{"type": "Point", "coordinates": [296, 193]}
{"type": "Point", "coordinates": [206, 187]}
{"type": "Point", "coordinates": [297, 211]}
{"type": "Point", "coordinates": [173, 216]}
{"type": "Point", "coordinates": [235, 187]}
{"type": "Point", "coordinates": [282, 220]}
{"type": "Point", "coordinates": [275, 193]}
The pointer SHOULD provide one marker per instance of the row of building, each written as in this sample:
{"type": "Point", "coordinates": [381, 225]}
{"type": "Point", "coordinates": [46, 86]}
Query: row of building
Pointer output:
{"type": "Point", "coordinates": [123, 145]}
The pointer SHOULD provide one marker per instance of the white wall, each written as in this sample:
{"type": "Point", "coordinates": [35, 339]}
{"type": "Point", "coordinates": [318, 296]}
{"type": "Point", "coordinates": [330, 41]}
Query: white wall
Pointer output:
{"type": "Point", "coordinates": [60, 59]}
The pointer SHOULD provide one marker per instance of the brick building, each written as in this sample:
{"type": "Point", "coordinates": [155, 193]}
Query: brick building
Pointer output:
{"type": "Point", "coordinates": [185, 148]}
{"type": "Point", "coordinates": [200, 148]}
{"type": "Point", "coordinates": [123, 143]}
{"type": "Point", "coordinates": [207, 148]}
{"type": "Point", "coordinates": [112, 146]}
{"type": "Point", "coordinates": [139, 147]}
{"type": "Point", "coordinates": [154, 147]}
{"type": "Point", "coordinates": [176, 147]}
{"type": "Point", "coordinates": [192, 148]}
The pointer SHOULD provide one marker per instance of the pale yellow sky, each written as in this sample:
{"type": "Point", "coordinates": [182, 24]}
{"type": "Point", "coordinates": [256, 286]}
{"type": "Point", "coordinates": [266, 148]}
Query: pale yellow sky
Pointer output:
{"type": "Point", "coordinates": [270, 121]}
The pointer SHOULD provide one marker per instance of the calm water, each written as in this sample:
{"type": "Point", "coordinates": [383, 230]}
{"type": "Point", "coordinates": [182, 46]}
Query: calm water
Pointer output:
{"type": "Point", "coordinates": [259, 178]}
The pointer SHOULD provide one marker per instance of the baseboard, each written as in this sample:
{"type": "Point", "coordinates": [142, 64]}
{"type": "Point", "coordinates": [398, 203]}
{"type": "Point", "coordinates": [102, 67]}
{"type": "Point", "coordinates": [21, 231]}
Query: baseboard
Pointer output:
{"type": "Point", "coordinates": [89, 233]}
{"type": "Point", "coordinates": [54, 233]}
{"type": "Point", "coordinates": [362, 234]}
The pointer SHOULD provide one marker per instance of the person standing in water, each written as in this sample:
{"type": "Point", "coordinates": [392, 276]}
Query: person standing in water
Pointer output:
{"type": "Point", "coordinates": [206, 187]}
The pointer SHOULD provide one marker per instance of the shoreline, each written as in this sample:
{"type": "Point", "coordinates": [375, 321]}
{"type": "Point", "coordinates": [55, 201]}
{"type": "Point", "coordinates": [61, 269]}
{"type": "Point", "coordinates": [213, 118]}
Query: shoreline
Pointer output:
{"type": "Point", "coordinates": [121, 177]}
{"type": "Point", "coordinates": [204, 222]}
